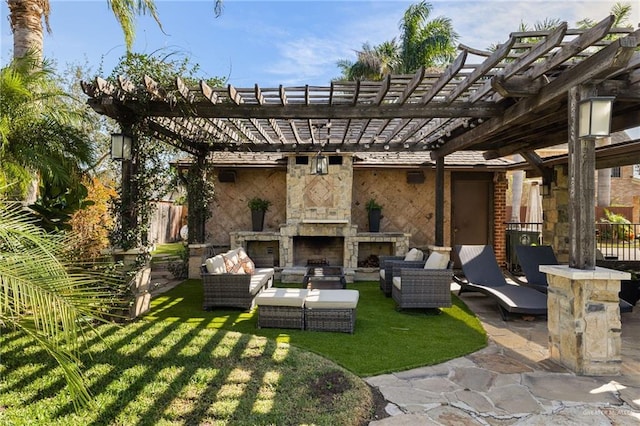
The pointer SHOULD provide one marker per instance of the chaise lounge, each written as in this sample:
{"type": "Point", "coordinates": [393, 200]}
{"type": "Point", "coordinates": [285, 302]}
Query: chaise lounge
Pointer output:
{"type": "Point", "coordinates": [530, 259]}
{"type": "Point", "coordinates": [482, 274]}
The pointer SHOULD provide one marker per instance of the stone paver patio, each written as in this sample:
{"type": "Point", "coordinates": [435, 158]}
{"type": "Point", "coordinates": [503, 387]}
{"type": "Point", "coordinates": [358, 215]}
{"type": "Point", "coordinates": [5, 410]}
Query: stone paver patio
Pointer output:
{"type": "Point", "coordinates": [512, 381]}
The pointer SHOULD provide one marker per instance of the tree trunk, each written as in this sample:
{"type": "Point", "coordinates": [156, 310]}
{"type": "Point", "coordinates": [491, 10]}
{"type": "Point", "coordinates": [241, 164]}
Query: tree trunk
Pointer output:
{"type": "Point", "coordinates": [604, 180]}
{"type": "Point", "coordinates": [26, 18]}
{"type": "Point", "coordinates": [516, 191]}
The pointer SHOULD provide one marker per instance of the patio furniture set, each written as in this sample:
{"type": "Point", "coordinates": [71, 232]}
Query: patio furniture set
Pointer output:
{"type": "Point", "coordinates": [233, 280]}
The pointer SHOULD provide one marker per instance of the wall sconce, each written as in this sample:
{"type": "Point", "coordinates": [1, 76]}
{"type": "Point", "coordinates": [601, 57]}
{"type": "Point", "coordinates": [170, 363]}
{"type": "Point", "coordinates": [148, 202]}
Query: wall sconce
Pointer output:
{"type": "Point", "coordinates": [594, 119]}
{"type": "Point", "coordinates": [121, 146]}
{"type": "Point", "coordinates": [319, 164]}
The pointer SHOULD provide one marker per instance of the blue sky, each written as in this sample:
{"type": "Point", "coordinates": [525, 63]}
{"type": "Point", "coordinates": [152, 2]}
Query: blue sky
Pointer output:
{"type": "Point", "coordinates": [278, 42]}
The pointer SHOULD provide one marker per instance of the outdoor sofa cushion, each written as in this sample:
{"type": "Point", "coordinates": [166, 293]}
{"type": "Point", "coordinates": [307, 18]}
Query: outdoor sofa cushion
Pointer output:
{"type": "Point", "coordinates": [293, 297]}
{"type": "Point", "coordinates": [436, 260]}
{"type": "Point", "coordinates": [215, 265]}
{"type": "Point", "coordinates": [332, 299]}
{"type": "Point", "coordinates": [414, 254]}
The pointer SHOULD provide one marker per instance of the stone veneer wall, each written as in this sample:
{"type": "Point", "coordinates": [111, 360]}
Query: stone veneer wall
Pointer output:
{"type": "Point", "coordinates": [584, 319]}
{"type": "Point", "coordinates": [319, 197]}
{"type": "Point", "coordinates": [555, 207]}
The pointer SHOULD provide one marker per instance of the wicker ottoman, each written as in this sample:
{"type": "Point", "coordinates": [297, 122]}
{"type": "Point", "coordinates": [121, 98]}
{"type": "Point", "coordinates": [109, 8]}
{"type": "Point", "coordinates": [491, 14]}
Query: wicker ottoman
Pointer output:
{"type": "Point", "coordinates": [281, 307]}
{"type": "Point", "coordinates": [331, 310]}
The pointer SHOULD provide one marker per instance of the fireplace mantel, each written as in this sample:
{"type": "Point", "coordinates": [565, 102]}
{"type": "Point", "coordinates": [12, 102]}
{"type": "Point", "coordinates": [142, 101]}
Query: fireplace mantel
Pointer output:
{"type": "Point", "coordinates": [325, 221]}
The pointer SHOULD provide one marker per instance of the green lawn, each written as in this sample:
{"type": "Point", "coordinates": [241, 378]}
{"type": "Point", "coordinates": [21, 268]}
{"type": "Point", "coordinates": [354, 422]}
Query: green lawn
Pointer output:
{"type": "Point", "coordinates": [385, 339]}
{"type": "Point", "coordinates": [180, 365]}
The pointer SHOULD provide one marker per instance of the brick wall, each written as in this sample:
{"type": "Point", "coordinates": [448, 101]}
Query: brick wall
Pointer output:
{"type": "Point", "coordinates": [500, 185]}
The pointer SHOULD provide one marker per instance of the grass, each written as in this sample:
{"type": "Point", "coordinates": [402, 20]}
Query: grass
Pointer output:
{"type": "Point", "coordinates": [169, 249]}
{"type": "Point", "coordinates": [391, 340]}
{"type": "Point", "coordinates": [181, 365]}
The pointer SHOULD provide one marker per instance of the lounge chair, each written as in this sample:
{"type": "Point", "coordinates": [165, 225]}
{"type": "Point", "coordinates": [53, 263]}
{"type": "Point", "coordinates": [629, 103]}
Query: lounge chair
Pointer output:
{"type": "Point", "coordinates": [482, 274]}
{"type": "Point", "coordinates": [427, 286]}
{"type": "Point", "coordinates": [531, 257]}
{"type": "Point", "coordinates": [413, 257]}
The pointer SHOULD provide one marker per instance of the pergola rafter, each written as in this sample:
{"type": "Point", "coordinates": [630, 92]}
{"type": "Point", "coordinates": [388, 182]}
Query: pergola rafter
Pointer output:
{"type": "Point", "coordinates": [513, 100]}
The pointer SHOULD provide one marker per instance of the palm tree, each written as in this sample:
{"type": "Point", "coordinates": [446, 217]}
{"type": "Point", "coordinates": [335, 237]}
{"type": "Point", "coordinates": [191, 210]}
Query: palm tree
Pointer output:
{"type": "Point", "coordinates": [34, 109]}
{"type": "Point", "coordinates": [46, 296]}
{"type": "Point", "coordinates": [422, 43]}
{"type": "Point", "coordinates": [26, 17]}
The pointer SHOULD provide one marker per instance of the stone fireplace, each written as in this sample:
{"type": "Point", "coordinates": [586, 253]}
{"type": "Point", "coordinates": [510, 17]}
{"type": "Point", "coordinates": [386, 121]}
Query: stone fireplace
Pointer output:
{"type": "Point", "coordinates": [318, 218]}
{"type": "Point", "coordinates": [318, 250]}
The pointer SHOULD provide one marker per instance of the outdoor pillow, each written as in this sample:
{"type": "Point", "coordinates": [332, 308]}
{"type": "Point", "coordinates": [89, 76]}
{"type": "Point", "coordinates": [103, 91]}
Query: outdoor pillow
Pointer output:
{"type": "Point", "coordinates": [436, 260]}
{"type": "Point", "coordinates": [232, 262]}
{"type": "Point", "coordinates": [413, 254]}
{"type": "Point", "coordinates": [245, 261]}
{"type": "Point", "coordinates": [215, 265]}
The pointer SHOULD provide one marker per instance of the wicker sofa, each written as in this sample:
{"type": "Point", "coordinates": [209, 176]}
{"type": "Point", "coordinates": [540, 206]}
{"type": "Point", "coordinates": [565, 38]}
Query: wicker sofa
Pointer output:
{"type": "Point", "coordinates": [427, 286]}
{"type": "Point", "coordinates": [232, 280]}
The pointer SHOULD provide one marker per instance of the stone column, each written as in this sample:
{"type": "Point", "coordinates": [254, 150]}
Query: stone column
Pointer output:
{"type": "Point", "coordinates": [196, 252]}
{"type": "Point", "coordinates": [584, 319]}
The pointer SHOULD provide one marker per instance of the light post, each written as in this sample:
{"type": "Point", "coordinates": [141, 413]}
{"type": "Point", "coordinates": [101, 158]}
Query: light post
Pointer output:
{"type": "Point", "coordinates": [122, 149]}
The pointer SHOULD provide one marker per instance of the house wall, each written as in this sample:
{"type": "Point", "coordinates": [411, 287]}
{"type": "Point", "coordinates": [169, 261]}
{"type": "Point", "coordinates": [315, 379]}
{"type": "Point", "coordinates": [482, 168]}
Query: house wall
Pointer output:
{"type": "Point", "coordinates": [624, 188]}
{"type": "Point", "coordinates": [407, 208]}
{"type": "Point", "coordinates": [229, 210]}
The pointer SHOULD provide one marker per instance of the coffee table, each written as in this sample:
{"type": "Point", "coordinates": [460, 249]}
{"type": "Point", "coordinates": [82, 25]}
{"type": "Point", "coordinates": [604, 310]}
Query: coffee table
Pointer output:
{"type": "Point", "coordinates": [327, 277]}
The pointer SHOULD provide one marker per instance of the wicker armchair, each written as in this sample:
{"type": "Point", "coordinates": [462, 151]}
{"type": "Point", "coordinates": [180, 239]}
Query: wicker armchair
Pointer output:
{"type": "Point", "coordinates": [416, 287]}
{"type": "Point", "coordinates": [386, 271]}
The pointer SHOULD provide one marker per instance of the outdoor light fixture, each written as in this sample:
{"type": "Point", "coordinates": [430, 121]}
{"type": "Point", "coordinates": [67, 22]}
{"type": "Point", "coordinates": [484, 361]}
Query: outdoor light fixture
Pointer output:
{"type": "Point", "coordinates": [319, 164]}
{"type": "Point", "coordinates": [594, 119]}
{"type": "Point", "coordinates": [120, 146]}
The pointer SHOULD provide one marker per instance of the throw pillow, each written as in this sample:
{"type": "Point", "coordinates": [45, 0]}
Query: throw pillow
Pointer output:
{"type": "Point", "coordinates": [436, 260]}
{"type": "Point", "coordinates": [215, 265]}
{"type": "Point", "coordinates": [247, 264]}
{"type": "Point", "coordinates": [413, 254]}
{"type": "Point", "coordinates": [232, 262]}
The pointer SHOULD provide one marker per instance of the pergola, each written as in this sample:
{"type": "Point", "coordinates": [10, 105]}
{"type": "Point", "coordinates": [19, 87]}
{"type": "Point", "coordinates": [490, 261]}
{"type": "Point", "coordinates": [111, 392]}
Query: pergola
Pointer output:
{"type": "Point", "coordinates": [518, 98]}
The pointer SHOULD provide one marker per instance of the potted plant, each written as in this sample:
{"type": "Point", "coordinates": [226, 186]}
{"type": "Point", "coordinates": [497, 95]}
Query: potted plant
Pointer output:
{"type": "Point", "coordinates": [375, 214]}
{"type": "Point", "coordinates": [258, 208]}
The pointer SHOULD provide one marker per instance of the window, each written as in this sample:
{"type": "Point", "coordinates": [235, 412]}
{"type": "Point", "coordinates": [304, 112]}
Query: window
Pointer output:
{"type": "Point", "coordinates": [636, 171]}
{"type": "Point", "coordinates": [615, 172]}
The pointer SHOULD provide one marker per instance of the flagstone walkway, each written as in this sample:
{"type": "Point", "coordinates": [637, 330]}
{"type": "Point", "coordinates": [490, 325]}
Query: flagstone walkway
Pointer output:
{"type": "Point", "coordinates": [512, 382]}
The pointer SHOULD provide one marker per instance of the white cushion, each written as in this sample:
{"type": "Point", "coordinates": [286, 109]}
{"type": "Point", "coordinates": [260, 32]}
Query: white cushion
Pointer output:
{"type": "Point", "coordinates": [397, 283]}
{"type": "Point", "coordinates": [332, 299]}
{"type": "Point", "coordinates": [436, 260]}
{"type": "Point", "coordinates": [382, 273]}
{"type": "Point", "coordinates": [414, 254]}
{"type": "Point", "coordinates": [282, 297]}
{"type": "Point", "coordinates": [215, 265]}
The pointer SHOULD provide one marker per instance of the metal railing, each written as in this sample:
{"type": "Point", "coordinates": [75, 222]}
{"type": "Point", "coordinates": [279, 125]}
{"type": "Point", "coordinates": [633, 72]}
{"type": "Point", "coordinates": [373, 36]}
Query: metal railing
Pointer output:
{"type": "Point", "coordinates": [618, 241]}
